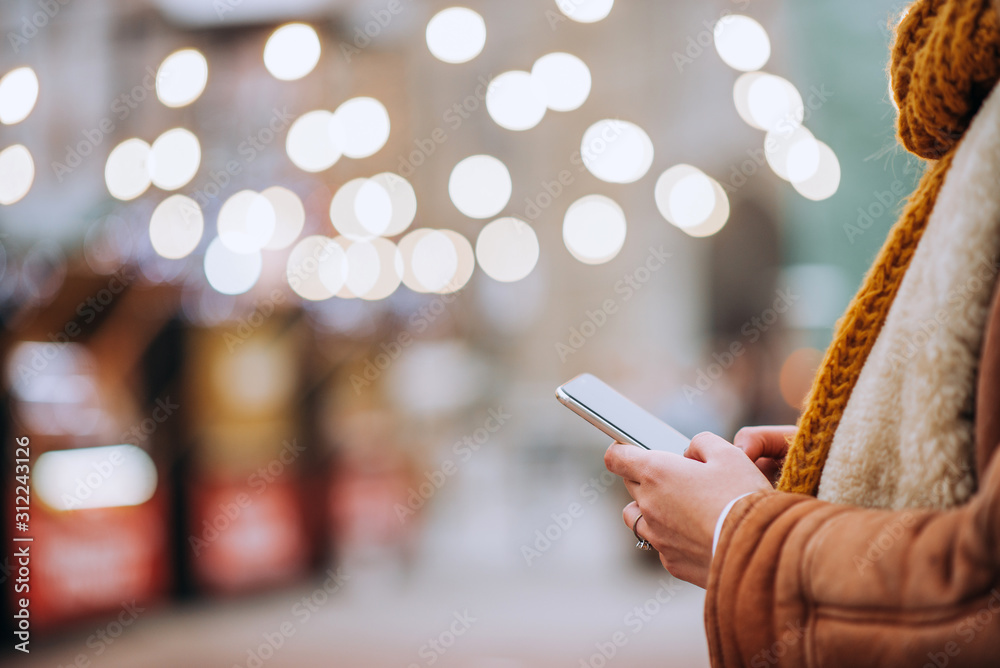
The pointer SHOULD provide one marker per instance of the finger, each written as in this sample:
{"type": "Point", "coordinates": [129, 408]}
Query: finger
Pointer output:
{"type": "Point", "coordinates": [707, 445]}
{"type": "Point", "coordinates": [759, 442]}
{"type": "Point", "coordinates": [626, 461]}
{"type": "Point", "coordinates": [630, 513]}
{"type": "Point", "coordinates": [632, 487]}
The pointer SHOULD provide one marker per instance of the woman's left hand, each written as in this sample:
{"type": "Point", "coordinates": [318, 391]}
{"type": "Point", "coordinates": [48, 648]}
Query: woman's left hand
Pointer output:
{"type": "Point", "coordinates": [681, 498]}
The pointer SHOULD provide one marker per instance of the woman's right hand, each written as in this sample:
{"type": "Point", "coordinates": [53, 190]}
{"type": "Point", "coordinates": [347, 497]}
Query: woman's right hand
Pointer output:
{"type": "Point", "coordinates": [766, 447]}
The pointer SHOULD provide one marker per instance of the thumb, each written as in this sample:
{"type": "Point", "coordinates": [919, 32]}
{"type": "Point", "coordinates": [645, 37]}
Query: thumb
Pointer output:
{"type": "Point", "coordinates": [707, 445]}
{"type": "Point", "coordinates": [759, 442]}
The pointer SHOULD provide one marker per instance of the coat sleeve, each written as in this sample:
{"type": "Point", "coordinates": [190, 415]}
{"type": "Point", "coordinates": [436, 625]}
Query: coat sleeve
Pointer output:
{"type": "Point", "coordinates": [801, 582]}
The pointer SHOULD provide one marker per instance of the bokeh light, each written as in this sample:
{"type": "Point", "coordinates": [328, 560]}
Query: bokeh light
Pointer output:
{"type": "Point", "coordinates": [825, 182]}
{"type": "Point", "coordinates": [176, 227]}
{"type": "Point", "coordinates": [231, 273]}
{"type": "Point", "coordinates": [310, 144]}
{"type": "Point", "coordinates": [126, 172]}
{"type": "Point", "coordinates": [247, 221]}
{"type": "Point", "coordinates": [360, 127]}
{"type": "Point", "coordinates": [507, 249]}
{"type": "Point", "coordinates": [304, 264]}
{"type": "Point", "coordinates": [691, 200]}
{"type": "Point", "coordinates": [563, 80]}
{"type": "Point", "coordinates": [373, 207]}
{"type": "Point", "coordinates": [174, 159]}
{"type": "Point", "coordinates": [586, 11]}
{"type": "Point", "coordinates": [466, 262]}
{"type": "Point", "coordinates": [797, 375]}
{"type": "Point", "coordinates": [480, 186]}
{"type": "Point", "coordinates": [128, 477]}
{"type": "Point", "coordinates": [292, 51]}
{"type": "Point", "coordinates": [390, 270]}
{"type": "Point", "coordinates": [17, 173]}
{"type": "Point", "coordinates": [594, 229]}
{"type": "Point", "coordinates": [344, 211]}
{"type": "Point", "coordinates": [289, 217]}
{"type": "Point", "coordinates": [742, 42]}
{"type": "Point", "coordinates": [434, 261]}
{"type": "Point", "coordinates": [407, 246]}
{"type": "Point", "coordinates": [515, 102]}
{"type": "Point", "coordinates": [181, 78]}
{"type": "Point", "coordinates": [18, 94]}
{"type": "Point", "coordinates": [617, 151]}
{"type": "Point", "coordinates": [456, 35]}
{"type": "Point", "coordinates": [793, 156]}
{"type": "Point", "coordinates": [404, 202]}
{"type": "Point", "coordinates": [771, 102]}
{"type": "Point", "coordinates": [717, 219]}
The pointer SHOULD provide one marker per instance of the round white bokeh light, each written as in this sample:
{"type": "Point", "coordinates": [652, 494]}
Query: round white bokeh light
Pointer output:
{"type": "Point", "coordinates": [126, 172]}
{"type": "Point", "coordinates": [585, 11]}
{"type": "Point", "coordinates": [176, 227]}
{"type": "Point", "coordinates": [246, 222]}
{"type": "Point", "coordinates": [231, 273]}
{"type": "Point", "coordinates": [17, 173]}
{"type": "Point", "coordinates": [742, 42]}
{"type": "Point", "coordinates": [18, 94]}
{"type": "Point", "coordinates": [480, 186]}
{"type": "Point", "coordinates": [360, 127]}
{"type": "Point", "coordinates": [515, 102]}
{"type": "Point", "coordinates": [594, 229]}
{"type": "Point", "coordinates": [825, 182]}
{"type": "Point", "coordinates": [292, 51]}
{"type": "Point", "coordinates": [174, 159]}
{"type": "Point", "coordinates": [617, 151]}
{"type": "Point", "coordinates": [310, 145]}
{"type": "Point", "coordinates": [507, 249]}
{"type": "Point", "coordinates": [563, 80]}
{"type": "Point", "coordinates": [181, 78]}
{"type": "Point", "coordinates": [456, 35]}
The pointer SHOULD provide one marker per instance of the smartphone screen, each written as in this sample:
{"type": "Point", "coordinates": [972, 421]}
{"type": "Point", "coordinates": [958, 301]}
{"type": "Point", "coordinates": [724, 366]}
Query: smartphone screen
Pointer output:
{"type": "Point", "coordinates": [618, 417]}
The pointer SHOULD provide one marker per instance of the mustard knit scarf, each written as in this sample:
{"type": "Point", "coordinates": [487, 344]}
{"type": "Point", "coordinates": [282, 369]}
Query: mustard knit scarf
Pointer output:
{"type": "Point", "coordinates": [945, 61]}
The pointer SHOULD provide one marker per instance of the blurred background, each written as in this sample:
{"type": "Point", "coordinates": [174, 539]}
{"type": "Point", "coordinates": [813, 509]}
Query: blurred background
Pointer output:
{"type": "Point", "coordinates": [287, 288]}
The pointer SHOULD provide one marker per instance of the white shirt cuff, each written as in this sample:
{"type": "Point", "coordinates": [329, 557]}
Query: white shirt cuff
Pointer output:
{"type": "Point", "coordinates": [722, 520]}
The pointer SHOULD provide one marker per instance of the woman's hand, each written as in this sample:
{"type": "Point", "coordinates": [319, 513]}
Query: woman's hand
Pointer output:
{"type": "Point", "coordinates": [765, 446]}
{"type": "Point", "coordinates": [681, 498]}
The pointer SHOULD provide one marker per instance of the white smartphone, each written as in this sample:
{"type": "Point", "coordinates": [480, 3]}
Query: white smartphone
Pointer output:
{"type": "Point", "coordinates": [621, 419]}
